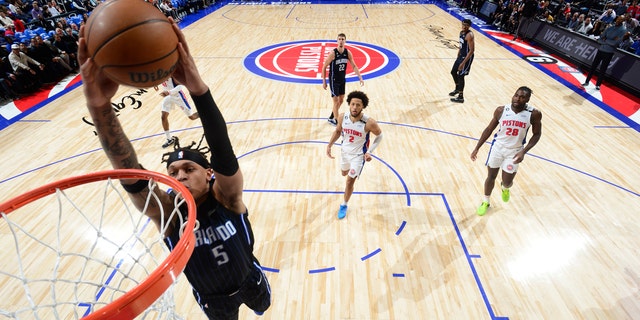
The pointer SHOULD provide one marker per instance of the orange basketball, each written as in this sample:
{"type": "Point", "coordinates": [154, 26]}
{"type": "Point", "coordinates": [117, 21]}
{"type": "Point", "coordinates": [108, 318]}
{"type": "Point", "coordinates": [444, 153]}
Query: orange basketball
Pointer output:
{"type": "Point", "coordinates": [132, 42]}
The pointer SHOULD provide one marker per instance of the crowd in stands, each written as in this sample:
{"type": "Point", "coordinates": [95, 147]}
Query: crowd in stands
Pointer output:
{"type": "Point", "coordinates": [39, 40]}
{"type": "Point", "coordinates": [587, 17]}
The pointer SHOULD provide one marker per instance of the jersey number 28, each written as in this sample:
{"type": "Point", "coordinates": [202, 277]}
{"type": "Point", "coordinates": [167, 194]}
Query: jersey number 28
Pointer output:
{"type": "Point", "coordinates": [512, 131]}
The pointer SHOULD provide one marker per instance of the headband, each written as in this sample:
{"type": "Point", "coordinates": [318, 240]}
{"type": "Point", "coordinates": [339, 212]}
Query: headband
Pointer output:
{"type": "Point", "coordinates": [186, 154]}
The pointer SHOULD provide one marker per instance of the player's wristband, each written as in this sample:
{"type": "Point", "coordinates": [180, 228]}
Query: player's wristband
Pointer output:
{"type": "Point", "coordinates": [136, 187]}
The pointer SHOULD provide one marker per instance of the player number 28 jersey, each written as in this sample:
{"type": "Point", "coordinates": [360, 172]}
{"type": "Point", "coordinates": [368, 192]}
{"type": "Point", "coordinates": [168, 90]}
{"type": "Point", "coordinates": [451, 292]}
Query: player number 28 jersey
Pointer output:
{"type": "Point", "coordinates": [513, 128]}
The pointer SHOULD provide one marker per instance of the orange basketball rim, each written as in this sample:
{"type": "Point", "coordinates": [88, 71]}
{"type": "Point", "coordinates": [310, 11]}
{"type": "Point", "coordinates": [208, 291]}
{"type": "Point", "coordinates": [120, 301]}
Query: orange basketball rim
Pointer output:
{"type": "Point", "coordinates": [138, 299]}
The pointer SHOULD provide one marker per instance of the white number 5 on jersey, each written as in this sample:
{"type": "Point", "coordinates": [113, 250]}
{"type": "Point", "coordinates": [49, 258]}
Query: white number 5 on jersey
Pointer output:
{"type": "Point", "coordinates": [220, 255]}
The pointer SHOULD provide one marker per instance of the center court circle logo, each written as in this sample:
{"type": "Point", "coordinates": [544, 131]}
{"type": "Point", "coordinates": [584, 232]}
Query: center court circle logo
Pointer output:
{"type": "Point", "coordinates": [301, 61]}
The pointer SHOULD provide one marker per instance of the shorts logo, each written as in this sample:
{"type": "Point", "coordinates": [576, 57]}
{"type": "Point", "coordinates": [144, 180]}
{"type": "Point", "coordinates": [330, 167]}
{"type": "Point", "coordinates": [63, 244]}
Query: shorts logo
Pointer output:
{"type": "Point", "coordinates": [540, 59]}
{"type": "Point", "coordinates": [509, 167]}
{"type": "Point", "coordinates": [352, 172]}
{"type": "Point", "coordinates": [301, 61]}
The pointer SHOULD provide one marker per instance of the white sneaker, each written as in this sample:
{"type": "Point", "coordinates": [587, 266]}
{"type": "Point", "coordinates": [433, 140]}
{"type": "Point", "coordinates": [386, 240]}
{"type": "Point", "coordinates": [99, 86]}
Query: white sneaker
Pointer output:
{"type": "Point", "coordinates": [169, 142]}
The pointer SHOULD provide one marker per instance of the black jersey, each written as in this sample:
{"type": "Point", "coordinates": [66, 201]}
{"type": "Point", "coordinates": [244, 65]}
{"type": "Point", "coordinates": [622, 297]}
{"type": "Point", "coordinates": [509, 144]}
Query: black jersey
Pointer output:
{"type": "Point", "coordinates": [223, 255]}
{"type": "Point", "coordinates": [464, 44]}
{"type": "Point", "coordinates": [462, 53]}
{"type": "Point", "coordinates": [338, 67]}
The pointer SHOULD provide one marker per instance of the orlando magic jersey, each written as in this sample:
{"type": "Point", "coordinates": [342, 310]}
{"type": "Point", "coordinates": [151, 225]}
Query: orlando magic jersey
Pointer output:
{"type": "Point", "coordinates": [462, 53]}
{"type": "Point", "coordinates": [464, 45]}
{"type": "Point", "coordinates": [223, 255]}
{"type": "Point", "coordinates": [338, 67]}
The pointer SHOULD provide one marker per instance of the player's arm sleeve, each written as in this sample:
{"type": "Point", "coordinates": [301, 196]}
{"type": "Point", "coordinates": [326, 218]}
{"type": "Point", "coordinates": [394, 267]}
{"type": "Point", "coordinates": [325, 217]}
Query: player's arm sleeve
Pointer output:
{"type": "Point", "coordinates": [223, 159]}
{"type": "Point", "coordinates": [375, 143]}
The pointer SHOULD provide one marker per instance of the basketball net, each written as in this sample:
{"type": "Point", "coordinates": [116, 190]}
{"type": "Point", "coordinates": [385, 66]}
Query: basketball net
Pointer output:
{"type": "Point", "coordinates": [78, 248]}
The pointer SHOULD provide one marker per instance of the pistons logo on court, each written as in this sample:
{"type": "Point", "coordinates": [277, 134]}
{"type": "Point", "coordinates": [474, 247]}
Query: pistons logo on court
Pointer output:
{"type": "Point", "coordinates": [301, 61]}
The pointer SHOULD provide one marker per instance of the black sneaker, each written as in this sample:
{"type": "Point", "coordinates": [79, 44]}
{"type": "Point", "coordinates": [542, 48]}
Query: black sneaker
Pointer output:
{"type": "Point", "coordinates": [453, 93]}
{"type": "Point", "coordinates": [457, 99]}
{"type": "Point", "coordinates": [169, 142]}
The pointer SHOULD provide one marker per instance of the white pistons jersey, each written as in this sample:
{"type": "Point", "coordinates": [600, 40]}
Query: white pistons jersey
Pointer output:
{"type": "Point", "coordinates": [174, 91]}
{"type": "Point", "coordinates": [513, 128]}
{"type": "Point", "coordinates": [355, 140]}
{"type": "Point", "coordinates": [176, 98]}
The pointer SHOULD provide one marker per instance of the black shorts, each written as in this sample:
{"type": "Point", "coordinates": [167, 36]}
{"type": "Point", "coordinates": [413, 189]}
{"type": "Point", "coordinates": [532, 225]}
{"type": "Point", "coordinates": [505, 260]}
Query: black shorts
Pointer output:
{"type": "Point", "coordinates": [255, 293]}
{"type": "Point", "coordinates": [337, 88]}
{"type": "Point", "coordinates": [466, 69]}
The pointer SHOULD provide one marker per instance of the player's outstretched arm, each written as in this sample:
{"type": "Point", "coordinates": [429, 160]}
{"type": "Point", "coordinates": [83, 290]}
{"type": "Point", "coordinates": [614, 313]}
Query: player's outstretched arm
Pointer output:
{"type": "Point", "coordinates": [98, 90]}
{"type": "Point", "coordinates": [229, 179]}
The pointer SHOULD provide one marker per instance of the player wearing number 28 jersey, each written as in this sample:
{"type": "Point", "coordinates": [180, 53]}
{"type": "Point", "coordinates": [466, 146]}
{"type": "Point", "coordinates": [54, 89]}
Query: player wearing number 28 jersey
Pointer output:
{"type": "Point", "coordinates": [509, 143]}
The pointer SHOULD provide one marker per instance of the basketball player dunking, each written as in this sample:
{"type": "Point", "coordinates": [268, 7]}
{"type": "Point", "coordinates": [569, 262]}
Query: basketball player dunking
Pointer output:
{"type": "Point", "coordinates": [222, 270]}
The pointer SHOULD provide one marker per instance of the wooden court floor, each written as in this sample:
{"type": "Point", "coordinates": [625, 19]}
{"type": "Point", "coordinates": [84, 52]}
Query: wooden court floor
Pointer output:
{"type": "Point", "coordinates": [411, 246]}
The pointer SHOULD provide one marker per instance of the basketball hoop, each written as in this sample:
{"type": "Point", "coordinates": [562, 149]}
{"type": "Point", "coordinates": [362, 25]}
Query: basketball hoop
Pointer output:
{"type": "Point", "coordinates": [120, 269]}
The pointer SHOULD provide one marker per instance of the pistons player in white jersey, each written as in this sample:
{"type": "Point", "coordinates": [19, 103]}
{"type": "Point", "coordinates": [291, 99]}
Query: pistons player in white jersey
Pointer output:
{"type": "Point", "coordinates": [354, 127]}
{"type": "Point", "coordinates": [173, 97]}
{"type": "Point", "coordinates": [509, 144]}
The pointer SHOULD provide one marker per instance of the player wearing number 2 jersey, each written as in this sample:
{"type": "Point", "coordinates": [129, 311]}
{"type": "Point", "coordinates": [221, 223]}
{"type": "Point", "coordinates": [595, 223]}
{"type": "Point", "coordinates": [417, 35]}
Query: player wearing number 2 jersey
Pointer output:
{"type": "Point", "coordinates": [354, 127]}
{"type": "Point", "coordinates": [509, 143]}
